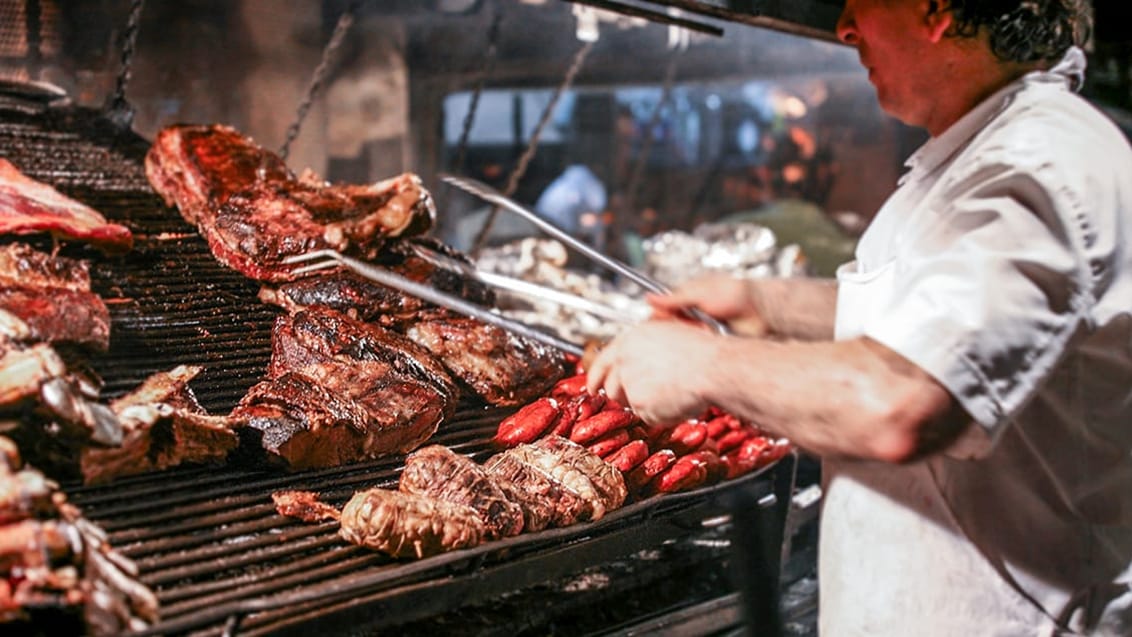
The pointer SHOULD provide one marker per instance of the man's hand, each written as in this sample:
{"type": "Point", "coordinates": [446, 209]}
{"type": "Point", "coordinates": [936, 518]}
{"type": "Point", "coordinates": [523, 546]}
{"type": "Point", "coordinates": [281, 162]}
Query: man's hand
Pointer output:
{"type": "Point", "coordinates": [653, 369]}
{"type": "Point", "coordinates": [724, 297]}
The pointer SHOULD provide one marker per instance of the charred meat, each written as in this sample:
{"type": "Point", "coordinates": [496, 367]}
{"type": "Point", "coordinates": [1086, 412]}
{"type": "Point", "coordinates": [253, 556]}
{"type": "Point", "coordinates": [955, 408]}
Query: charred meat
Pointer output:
{"type": "Point", "coordinates": [254, 212]}
{"type": "Point", "coordinates": [545, 499]}
{"type": "Point", "coordinates": [438, 472]}
{"type": "Point", "coordinates": [164, 426]}
{"type": "Point", "coordinates": [408, 525]}
{"type": "Point", "coordinates": [501, 367]}
{"type": "Point", "coordinates": [305, 506]}
{"type": "Point", "coordinates": [29, 206]}
{"type": "Point", "coordinates": [51, 296]}
{"type": "Point", "coordinates": [304, 425]}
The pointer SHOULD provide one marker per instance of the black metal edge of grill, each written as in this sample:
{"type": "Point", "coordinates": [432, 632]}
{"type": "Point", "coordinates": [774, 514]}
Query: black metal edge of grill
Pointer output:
{"type": "Point", "coordinates": [389, 592]}
{"type": "Point", "coordinates": [171, 303]}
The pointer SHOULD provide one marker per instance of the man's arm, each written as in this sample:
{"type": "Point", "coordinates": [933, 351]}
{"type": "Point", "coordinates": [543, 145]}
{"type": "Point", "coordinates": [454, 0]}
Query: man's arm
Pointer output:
{"type": "Point", "coordinates": [799, 308]}
{"type": "Point", "coordinates": [853, 398]}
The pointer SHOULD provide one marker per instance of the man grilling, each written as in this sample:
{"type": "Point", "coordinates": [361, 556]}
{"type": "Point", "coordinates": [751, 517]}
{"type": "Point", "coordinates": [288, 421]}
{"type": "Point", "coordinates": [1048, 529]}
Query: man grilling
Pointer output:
{"type": "Point", "coordinates": [967, 379]}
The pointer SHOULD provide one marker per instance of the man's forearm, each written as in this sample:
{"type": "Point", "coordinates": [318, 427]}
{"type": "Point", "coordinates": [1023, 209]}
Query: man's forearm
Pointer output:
{"type": "Point", "coordinates": [799, 308]}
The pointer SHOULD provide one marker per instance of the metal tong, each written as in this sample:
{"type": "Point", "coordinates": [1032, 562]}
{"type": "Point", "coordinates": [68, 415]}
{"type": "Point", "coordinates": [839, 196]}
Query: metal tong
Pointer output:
{"type": "Point", "coordinates": [524, 288]}
{"type": "Point", "coordinates": [322, 259]}
{"type": "Point", "coordinates": [491, 195]}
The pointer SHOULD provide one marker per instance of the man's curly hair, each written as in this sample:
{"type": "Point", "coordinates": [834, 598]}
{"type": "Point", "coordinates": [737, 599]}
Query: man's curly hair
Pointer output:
{"type": "Point", "coordinates": [1024, 30]}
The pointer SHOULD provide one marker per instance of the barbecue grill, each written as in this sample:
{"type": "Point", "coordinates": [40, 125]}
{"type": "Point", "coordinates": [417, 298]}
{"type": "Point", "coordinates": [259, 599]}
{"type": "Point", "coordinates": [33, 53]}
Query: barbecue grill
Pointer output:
{"type": "Point", "coordinates": [209, 542]}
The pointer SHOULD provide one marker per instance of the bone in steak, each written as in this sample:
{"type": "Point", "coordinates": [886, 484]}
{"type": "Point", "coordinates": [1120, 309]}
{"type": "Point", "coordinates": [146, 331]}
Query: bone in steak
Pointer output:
{"type": "Point", "coordinates": [501, 367]}
{"type": "Point", "coordinates": [254, 212]}
{"type": "Point", "coordinates": [29, 206]}
{"type": "Point", "coordinates": [408, 525]}
{"type": "Point", "coordinates": [343, 391]}
{"type": "Point", "coordinates": [51, 296]}
{"type": "Point", "coordinates": [438, 472]}
{"type": "Point", "coordinates": [344, 355]}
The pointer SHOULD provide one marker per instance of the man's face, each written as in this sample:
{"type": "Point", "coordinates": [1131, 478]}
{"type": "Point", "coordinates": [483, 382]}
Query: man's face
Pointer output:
{"type": "Point", "coordinates": [892, 38]}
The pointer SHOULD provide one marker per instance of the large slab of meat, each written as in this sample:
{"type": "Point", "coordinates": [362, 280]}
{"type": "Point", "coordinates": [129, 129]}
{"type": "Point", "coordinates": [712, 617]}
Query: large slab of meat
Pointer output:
{"type": "Point", "coordinates": [51, 296]}
{"type": "Point", "coordinates": [28, 206]}
{"type": "Point", "coordinates": [501, 367]}
{"type": "Point", "coordinates": [254, 211]}
{"type": "Point", "coordinates": [340, 391]}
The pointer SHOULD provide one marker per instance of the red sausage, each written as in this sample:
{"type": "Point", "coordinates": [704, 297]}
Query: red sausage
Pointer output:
{"type": "Point", "coordinates": [527, 424]}
{"type": "Point", "coordinates": [630, 456]}
{"type": "Point", "coordinates": [569, 387]}
{"type": "Point", "coordinates": [647, 470]}
{"type": "Point", "coordinates": [599, 424]}
{"type": "Point", "coordinates": [609, 443]}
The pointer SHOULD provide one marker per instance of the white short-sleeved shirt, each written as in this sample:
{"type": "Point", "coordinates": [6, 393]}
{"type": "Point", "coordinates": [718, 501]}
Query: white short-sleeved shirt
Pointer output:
{"type": "Point", "coordinates": [1002, 266]}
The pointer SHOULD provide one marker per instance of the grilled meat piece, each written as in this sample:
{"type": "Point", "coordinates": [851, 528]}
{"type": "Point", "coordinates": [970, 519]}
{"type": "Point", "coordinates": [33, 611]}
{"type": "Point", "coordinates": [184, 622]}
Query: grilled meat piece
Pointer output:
{"type": "Point", "coordinates": [545, 499]}
{"type": "Point", "coordinates": [29, 206]}
{"type": "Point", "coordinates": [607, 481]}
{"type": "Point", "coordinates": [164, 426]}
{"type": "Point", "coordinates": [25, 494]}
{"type": "Point", "coordinates": [502, 368]}
{"type": "Point", "coordinates": [408, 525]}
{"type": "Point", "coordinates": [304, 425]}
{"type": "Point", "coordinates": [304, 505]}
{"type": "Point", "coordinates": [438, 472]}
{"type": "Point", "coordinates": [254, 212]}
{"type": "Point", "coordinates": [347, 355]}
{"type": "Point", "coordinates": [51, 296]}
{"type": "Point", "coordinates": [369, 301]}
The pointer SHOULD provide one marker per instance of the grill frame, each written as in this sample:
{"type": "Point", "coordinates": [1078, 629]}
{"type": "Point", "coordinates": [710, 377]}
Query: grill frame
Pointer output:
{"type": "Point", "coordinates": [172, 303]}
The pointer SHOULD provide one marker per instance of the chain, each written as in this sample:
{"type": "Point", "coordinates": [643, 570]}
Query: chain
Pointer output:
{"type": "Point", "coordinates": [33, 23]}
{"type": "Point", "coordinates": [118, 110]}
{"type": "Point", "coordinates": [485, 72]}
{"type": "Point", "coordinates": [532, 146]}
{"type": "Point", "coordinates": [345, 21]}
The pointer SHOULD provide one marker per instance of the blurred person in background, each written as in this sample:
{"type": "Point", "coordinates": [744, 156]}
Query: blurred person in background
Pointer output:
{"type": "Point", "coordinates": [967, 379]}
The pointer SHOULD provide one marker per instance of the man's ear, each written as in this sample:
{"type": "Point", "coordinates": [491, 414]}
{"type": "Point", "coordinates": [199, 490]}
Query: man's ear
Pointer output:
{"type": "Point", "coordinates": [938, 19]}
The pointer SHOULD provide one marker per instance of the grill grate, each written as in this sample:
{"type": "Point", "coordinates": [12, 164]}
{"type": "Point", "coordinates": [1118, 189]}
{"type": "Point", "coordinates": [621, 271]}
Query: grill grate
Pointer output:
{"type": "Point", "coordinates": [208, 541]}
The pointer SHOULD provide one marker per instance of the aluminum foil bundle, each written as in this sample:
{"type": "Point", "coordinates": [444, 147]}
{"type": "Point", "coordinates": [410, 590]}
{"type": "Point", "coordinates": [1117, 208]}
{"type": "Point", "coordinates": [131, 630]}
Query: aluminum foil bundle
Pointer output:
{"type": "Point", "coordinates": [739, 249]}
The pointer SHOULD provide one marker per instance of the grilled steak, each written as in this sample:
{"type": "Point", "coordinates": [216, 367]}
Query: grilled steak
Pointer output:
{"type": "Point", "coordinates": [29, 206]}
{"type": "Point", "coordinates": [500, 367]}
{"type": "Point", "coordinates": [544, 498]}
{"type": "Point", "coordinates": [348, 356]}
{"type": "Point", "coordinates": [254, 212]}
{"type": "Point", "coordinates": [438, 472]}
{"type": "Point", "coordinates": [304, 425]}
{"type": "Point", "coordinates": [51, 296]}
{"type": "Point", "coordinates": [408, 525]}
{"type": "Point", "coordinates": [164, 426]}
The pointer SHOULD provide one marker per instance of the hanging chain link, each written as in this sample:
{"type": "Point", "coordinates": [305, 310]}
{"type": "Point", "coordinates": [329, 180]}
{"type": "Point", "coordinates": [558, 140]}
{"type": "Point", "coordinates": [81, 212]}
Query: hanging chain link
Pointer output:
{"type": "Point", "coordinates": [345, 21]}
{"type": "Point", "coordinates": [532, 146]}
{"type": "Point", "coordinates": [485, 72]}
{"type": "Point", "coordinates": [117, 109]}
{"type": "Point", "coordinates": [33, 24]}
